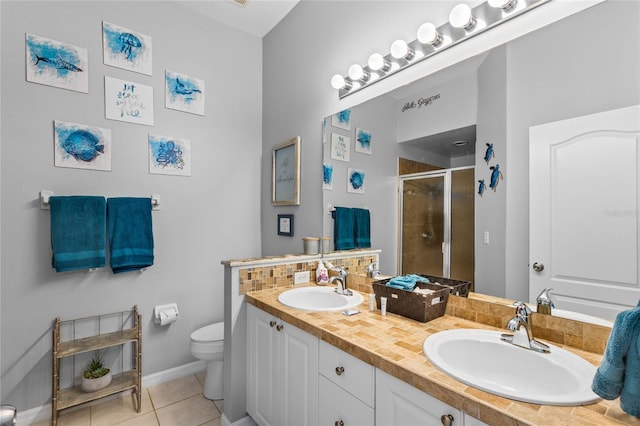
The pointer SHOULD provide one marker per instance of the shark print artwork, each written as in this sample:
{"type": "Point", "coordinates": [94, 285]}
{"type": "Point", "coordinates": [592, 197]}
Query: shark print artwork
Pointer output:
{"type": "Point", "coordinates": [184, 93]}
{"type": "Point", "coordinates": [169, 156]}
{"type": "Point", "coordinates": [80, 146]}
{"type": "Point", "coordinates": [56, 64]}
{"type": "Point", "coordinates": [125, 48]}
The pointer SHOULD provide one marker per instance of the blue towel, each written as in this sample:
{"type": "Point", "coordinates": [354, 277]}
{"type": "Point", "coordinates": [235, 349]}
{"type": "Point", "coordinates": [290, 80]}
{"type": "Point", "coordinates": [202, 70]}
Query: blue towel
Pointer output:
{"type": "Point", "coordinates": [130, 233]}
{"type": "Point", "coordinates": [343, 228]}
{"type": "Point", "coordinates": [362, 228]}
{"type": "Point", "coordinates": [406, 282]}
{"type": "Point", "coordinates": [78, 235]}
{"type": "Point", "coordinates": [619, 371]}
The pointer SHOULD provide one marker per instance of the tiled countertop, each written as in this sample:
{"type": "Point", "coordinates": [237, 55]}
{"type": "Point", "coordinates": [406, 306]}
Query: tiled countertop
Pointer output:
{"type": "Point", "coordinates": [393, 344]}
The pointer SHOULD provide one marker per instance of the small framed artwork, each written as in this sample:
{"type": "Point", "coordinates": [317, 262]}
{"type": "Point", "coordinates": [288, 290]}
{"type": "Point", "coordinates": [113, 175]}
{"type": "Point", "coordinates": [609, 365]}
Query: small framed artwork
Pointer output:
{"type": "Point", "coordinates": [128, 101]}
{"type": "Point", "coordinates": [327, 176]}
{"type": "Point", "coordinates": [285, 173]}
{"type": "Point", "coordinates": [169, 156]}
{"type": "Point", "coordinates": [363, 141]}
{"type": "Point", "coordinates": [57, 64]}
{"type": "Point", "coordinates": [342, 119]}
{"type": "Point", "coordinates": [285, 225]}
{"type": "Point", "coordinates": [79, 146]}
{"type": "Point", "coordinates": [184, 93]}
{"type": "Point", "coordinates": [355, 183]}
{"type": "Point", "coordinates": [340, 147]}
{"type": "Point", "coordinates": [126, 48]}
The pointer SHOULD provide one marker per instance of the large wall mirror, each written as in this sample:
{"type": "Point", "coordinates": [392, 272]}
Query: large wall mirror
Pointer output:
{"type": "Point", "coordinates": [465, 131]}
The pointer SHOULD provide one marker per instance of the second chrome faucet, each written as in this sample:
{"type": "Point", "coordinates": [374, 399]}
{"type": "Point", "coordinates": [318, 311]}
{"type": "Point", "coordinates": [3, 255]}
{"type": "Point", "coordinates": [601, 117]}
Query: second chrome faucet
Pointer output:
{"type": "Point", "coordinates": [522, 330]}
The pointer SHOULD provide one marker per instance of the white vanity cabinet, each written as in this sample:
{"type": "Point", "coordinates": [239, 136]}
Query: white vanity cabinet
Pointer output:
{"type": "Point", "coordinates": [282, 371]}
{"type": "Point", "coordinates": [400, 404]}
{"type": "Point", "coordinates": [347, 389]}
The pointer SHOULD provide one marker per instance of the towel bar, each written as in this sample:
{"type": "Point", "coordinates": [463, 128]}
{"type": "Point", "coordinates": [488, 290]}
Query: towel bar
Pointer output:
{"type": "Point", "coordinates": [46, 195]}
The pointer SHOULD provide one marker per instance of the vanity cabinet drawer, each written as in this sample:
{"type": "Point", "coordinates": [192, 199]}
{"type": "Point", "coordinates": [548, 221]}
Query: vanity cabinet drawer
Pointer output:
{"type": "Point", "coordinates": [339, 407]}
{"type": "Point", "coordinates": [348, 372]}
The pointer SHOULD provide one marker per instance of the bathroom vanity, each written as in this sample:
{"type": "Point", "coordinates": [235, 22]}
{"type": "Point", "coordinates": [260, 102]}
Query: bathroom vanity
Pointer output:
{"type": "Point", "coordinates": [398, 384]}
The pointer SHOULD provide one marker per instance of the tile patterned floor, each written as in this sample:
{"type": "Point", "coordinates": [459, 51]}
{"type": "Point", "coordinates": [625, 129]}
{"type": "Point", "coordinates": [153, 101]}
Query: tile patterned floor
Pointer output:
{"type": "Point", "coordinates": [176, 403]}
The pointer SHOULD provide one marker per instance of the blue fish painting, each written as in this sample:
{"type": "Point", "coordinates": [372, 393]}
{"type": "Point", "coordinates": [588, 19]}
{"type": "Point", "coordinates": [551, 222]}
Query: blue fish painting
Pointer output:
{"type": "Point", "coordinates": [496, 177]}
{"type": "Point", "coordinates": [481, 187]}
{"type": "Point", "coordinates": [342, 119]}
{"type": "Point", "coordinates": [81, 146]}
{"type": "Point", "coordinates": [327, 176]}
{"type": "Point", "coordinates": [363, 141]}
{"type": "Point", "coordinates": [125, 48]}
{"type": "Point", "coordinates": [184, 93]}
{"type": "Point", "coordinates": [356, 181]}
{"type": "Point", "coordinates": [56, 64]}
{"type": "Point", "coordinates": [489, 154]}
{"type": "Point", "coordinates": [169, 156]}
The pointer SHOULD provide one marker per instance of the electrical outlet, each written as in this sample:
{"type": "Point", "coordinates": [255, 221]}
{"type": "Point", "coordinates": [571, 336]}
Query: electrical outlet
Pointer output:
{"type": "Point", "coordinates": [301, 277]}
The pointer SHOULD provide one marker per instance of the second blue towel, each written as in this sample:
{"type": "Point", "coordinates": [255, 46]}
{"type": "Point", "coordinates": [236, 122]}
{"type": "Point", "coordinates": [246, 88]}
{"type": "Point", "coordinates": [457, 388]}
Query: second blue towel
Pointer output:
{"type": "Point", "coordinates": [130, 233]}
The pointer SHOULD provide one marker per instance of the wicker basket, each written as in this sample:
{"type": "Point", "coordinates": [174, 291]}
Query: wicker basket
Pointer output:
{"type": "Point", "coordinates": [458, 287]}
{"type": "Point", "coordinates": [420, 307]}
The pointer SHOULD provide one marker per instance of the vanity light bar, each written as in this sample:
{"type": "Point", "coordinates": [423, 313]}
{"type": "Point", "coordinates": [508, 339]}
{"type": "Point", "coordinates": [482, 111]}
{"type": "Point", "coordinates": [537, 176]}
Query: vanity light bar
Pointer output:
{"type": "Point", "coordinates": [464, 24]}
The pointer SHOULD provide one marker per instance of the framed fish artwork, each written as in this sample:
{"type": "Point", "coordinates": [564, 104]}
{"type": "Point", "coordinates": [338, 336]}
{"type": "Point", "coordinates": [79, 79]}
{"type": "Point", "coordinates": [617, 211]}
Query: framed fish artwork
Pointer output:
{"type": "Point", "coordinates": [184, 93]}
{"type": "Point", "coordinates": [56, 64]}
{"type": "Point", "coordinates": [169, 156]}
{"type": "Point", "coordinates": [79, 146]}
{"type": "Point", "coordinates": [342, 119]}
{"type": "Point", "coordinates": [127, 49]}
{"type": "Point", "coordinates": [128, 101]}
{"type": "Point", "coordinates": [355, 181]}
{"type": "Point", "coordinates": [363, 141]}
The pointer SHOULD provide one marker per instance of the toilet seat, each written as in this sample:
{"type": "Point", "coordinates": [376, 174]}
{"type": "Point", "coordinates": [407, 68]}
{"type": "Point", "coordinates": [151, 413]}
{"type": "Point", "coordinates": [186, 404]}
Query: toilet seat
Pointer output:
{"type": "Point", "coordinates": [209, 333]}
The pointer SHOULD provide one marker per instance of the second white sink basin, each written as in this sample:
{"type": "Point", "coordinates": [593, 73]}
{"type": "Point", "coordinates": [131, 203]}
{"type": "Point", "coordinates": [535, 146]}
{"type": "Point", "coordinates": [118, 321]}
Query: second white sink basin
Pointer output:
{"type": "Point", "coordinates": [319, 299]}
{"type": "Point", "coordinates": [480, 359]}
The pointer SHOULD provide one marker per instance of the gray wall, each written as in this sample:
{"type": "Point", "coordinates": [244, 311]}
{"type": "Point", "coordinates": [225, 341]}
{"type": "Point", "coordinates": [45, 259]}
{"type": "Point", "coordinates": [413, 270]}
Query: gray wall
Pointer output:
{"type": "Point", "coordinates": [210, 216]}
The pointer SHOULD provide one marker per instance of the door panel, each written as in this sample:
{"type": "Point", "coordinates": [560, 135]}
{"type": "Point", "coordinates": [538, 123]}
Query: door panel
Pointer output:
{"type": "Point", "coordinates": [584, 223]}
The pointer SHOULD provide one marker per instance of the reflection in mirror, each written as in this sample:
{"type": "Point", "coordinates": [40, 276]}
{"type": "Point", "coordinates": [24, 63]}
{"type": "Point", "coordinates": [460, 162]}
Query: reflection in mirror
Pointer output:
{"type": "Point", "coordinates": [550, 75]}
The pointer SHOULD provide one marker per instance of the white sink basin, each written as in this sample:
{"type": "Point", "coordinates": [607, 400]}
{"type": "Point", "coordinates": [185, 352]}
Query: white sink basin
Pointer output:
{"type": "Point", "coordinates": [480, 359]}
{"type": "Point", "coordinates": [319, 299]}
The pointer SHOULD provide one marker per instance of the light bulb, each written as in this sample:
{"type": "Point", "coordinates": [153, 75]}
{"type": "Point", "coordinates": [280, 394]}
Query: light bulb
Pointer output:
{"type": "Point", "coordinates": [338, 82]}
{"type": "Point", "coordinates": [377, 62]}
{"type": "Point", "coordinates": [400, 49]}
{"type": "Point", "coordinates": [428, 34]}
{"type": "Point", "coordinates": [357, 73]}
{"type": "Point", "coordinates": [502, 4]}
{"type": "Point", "coordinates": [461, 17]}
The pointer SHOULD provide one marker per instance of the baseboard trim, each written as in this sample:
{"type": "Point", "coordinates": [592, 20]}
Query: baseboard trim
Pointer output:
{"type": "Point", "coordinates": [43, 412]}
{"type": "Point", "coordinates": [245, 421]}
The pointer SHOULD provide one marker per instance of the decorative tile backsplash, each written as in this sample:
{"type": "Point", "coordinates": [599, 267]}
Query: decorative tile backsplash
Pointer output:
{"type": "Point", "coordinates": [272, 276]}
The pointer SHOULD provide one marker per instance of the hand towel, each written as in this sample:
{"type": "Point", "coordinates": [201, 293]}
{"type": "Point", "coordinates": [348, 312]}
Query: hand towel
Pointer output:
{"type": "Point", "coordinates": [78, 235]}
{"type": "Point", "coordinates": [619, 371]}
{"type": "Point", "coordinates": [130, 233]}
{"type": "Point", "coordinates": [406, 282]}
{"type": "Point", "coordinates": [343, 228]}
{"type": "Point", "coordinates": [362, 228]}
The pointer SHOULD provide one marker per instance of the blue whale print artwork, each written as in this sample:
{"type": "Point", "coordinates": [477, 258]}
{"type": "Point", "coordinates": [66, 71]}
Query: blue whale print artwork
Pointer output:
{"type": "Point", "coordinates": [57, 64]}
{"type": "Point", "coordinates": [496, 177]}
{"type": "Point", "coordinates": [489, 153]}
{"type": "Point", "coordinates": [184, 93]}
{"type": "Point", "coordinates": [356, 181]}
{"type": "Point", "coordinates": [363, 141]}
{"type": "Point", "coordinates": [82, 147]}
{"type": "Point", "coordinates": [126, 48]}
{"type": "Point", "coordinates": [327, 176]}
{"type": "Point", "coordinates": [169, 156]}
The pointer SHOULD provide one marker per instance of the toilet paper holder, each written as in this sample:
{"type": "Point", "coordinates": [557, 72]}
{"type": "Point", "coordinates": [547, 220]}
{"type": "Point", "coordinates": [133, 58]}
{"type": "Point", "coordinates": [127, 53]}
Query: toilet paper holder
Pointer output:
{"type": "Point", "coordinates": [170, 309]}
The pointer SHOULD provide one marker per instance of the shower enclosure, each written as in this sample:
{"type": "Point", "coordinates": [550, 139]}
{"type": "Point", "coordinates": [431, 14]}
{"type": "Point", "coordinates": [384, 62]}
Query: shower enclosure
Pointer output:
{"type": "Point", "coordinates": [437, 223]}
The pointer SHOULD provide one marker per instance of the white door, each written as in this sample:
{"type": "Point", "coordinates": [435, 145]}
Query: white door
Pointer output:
{"type": "Point", "coordinates": [584, 217]}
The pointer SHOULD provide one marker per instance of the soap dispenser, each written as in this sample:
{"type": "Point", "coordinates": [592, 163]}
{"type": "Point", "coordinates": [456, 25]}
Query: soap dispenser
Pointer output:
{"type": "Point", "coordinates": [322, 275]}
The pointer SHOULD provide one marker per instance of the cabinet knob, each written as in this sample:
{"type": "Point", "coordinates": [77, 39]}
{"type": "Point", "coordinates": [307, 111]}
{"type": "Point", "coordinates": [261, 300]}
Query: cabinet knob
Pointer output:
{"type": "Point", "coordinates": [446, 419]}
{"type": "Point", "coordinates": [272, 323]}
{"type": "Point", "coordinates": [279, 327]}
{"type": "Point", "coordinates": [339, 371]}
{"type": "Point", "coordinates": [339, 423]}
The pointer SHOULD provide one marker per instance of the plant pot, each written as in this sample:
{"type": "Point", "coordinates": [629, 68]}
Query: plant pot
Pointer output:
{"type": "Point", "coordinates": [92, 385]}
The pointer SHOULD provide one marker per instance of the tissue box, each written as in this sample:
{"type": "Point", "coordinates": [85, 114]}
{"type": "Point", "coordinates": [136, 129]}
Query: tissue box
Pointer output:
{"type": "Point", "coordinates": [420, 307]}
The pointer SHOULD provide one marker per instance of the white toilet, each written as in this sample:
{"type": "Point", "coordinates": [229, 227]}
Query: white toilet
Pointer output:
{"type": "Point", "coordinates": [207, 343]}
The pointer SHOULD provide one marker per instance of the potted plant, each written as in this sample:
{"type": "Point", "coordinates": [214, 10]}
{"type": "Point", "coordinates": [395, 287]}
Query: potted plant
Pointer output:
{"type": "Point", "coordinates": [95, 375]}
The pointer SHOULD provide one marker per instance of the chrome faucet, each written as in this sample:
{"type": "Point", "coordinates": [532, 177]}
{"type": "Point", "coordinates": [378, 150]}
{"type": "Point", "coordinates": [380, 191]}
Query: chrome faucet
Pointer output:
{"type": "Point", "coordinates": [373, 270]}
{"type": "Point", "coordinates": [342, 282]}
{"type": "Point", "coordinates": [545, 304]}
{"type": "Point", "coordinates": [522, 334]}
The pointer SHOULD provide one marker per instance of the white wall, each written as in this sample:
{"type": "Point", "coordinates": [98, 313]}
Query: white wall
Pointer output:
{"type": "Point", "coordinates": [210, 216]}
